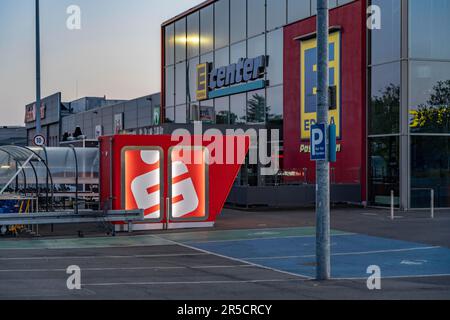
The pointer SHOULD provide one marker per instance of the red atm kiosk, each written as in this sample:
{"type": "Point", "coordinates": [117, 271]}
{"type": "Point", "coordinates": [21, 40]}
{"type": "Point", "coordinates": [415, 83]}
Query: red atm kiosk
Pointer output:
{"type": "Point", "coordinates": [179, 182]}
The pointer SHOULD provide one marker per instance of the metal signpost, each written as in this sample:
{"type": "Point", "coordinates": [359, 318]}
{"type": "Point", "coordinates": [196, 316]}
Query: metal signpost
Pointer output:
{"type": "Point", "coordinates": [38, 72]}
{"type": "Point", "coordinates": [323, 165]}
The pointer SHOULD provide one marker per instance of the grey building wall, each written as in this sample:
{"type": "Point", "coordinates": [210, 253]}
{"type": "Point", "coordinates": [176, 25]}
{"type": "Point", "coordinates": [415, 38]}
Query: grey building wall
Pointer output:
{"type": "Point", "coordinates": [60, 117]}
{"type": "Point", "coordinates": [49, 120]}
{"type": "Point", "coordinates": [89, 103]}
{"type": "Point", "coordinates": [137, 117]}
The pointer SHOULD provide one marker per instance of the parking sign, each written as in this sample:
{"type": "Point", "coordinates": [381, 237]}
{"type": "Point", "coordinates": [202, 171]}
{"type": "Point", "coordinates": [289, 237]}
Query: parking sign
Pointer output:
{"type": "Point", "coordinates": [318, 142]}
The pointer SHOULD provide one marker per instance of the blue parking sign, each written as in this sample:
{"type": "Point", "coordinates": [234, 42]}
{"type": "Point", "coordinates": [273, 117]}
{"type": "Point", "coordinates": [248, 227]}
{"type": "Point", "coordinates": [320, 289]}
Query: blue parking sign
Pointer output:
{"type": "Point", "coordinates": [318, 142]}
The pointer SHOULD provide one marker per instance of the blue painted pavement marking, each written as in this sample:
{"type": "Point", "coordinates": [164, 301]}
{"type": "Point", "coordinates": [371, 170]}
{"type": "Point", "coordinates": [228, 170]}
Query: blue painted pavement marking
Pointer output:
{"type": "Point", "coordinates": [351, 255]}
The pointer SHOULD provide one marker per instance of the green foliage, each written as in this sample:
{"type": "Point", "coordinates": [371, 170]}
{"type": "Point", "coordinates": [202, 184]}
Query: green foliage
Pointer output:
{"type": "Point", "coordinates": [433, 117]}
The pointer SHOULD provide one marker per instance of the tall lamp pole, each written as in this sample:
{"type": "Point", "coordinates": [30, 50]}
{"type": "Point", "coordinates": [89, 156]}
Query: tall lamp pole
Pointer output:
{"type": "Point", "coordinates": [323, 166]}
{"type": "Point", "coordinates": [38, 72]}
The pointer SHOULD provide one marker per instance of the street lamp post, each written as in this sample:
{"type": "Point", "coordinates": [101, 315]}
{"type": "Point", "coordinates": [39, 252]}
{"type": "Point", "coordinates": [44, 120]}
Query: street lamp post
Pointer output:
{"type": "Point", "coordinates": [323, 166]}
{"type": "Point", "coordinates": [38, 72]}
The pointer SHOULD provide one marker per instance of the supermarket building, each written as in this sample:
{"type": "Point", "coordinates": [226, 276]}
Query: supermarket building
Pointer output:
{"type": "Point", "coordinates": [252, 64]}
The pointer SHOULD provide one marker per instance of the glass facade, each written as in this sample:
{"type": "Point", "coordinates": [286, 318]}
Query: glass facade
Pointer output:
{"type": "Point", "coordinates": [222, 33]}
{"type": "Point", "coordinates": [383, 173]}
{"type": "Point", "coordinates": [385, 43]}
{"type": "Point", "coordinates": [429, 102]}
{"type": "Point", "coordinates": [408, 83]}
{"type": "Point", "coordinates": [430, 170]}
{"type": "Point", "coordinates": [409, 104]}
{"type": "Point", "coordinates": [384, 106]}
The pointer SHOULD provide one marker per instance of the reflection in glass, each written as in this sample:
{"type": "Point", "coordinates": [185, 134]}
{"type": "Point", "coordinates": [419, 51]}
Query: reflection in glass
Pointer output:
{"type": "Point", "coordinates": [383, 170]}
{"type": "Point", "coordinates": [209, 58]}
{"type": "Point", "coordinates": [430, 97]}
{"type": "Point", "coordinates": [298, 10]}
{"type": "Point", "coordinates": [180, 114]}
{"type": "Point", "coordinates": [277, 16]}
{"type": "Point", "coordinates": [169, 115]}
{"type": "Point", "coordinates": [206, 111]}
{"type": "Point", "coordinates": [207, 27]}
{"type": "Point", "coordinates": [429, 25]}
{"type": "Point", "coordinates": [256, 107]}
{"type": "Point", "coordinates": [430, 169]}
{"type": "Point", "coordinates": [238, 50]}
{"type": "Point", "coordinates": [433, 117]}
{"type": "Point", "coordinates": [238, 20]}
{"type": "Point", "coordinates": [222, 23]}
{"type": "Point", "coordinates": [170, 86]}
{"type": "Point", "coordinates": [180, 40]}
{"type": "Point", "coordinates": [384, 109]}
{"type": "Point", "coordinates": [222, 57]}
{"type": "Point", "coordinates": [222, 110]}
{"type": "Point", "coordinates": [275, 105]}
{"type": "Point", "coordinates": [170, 45]}
{"type": "Point", "coordinates": [180, 83]}
{"type": "Point", "coordinates": [275, 53]}
{"type": "Point", "coordinates": [193, 35]}
{"type": "Point", "coordinates": [257, 46]}
{"type": "Point", "coordinates": [238, 108]}
{"type": "Point", "coordinates": [256, 23]}
{"type": "Point", "coordinates": [386, 41]}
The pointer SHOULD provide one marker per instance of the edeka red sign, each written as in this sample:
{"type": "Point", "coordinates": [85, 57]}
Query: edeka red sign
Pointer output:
{"type": "Point", "coordinates": [176, 185]}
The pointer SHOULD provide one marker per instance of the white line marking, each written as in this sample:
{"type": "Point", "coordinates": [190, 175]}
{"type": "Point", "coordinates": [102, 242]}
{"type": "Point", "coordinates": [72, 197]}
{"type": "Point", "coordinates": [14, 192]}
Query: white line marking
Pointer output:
{"type": "Point", "coordinates": [99, 246]}
{"type": "Point", "coordinates": [189, 282]}
{"type": "Point", "coordinates": [106, 257]}
{"type": "Point", "coordinates": [344, 253]}
{"type": "Point", "coordinates": [399, 277]}
{"type": "Point", "coordinates": [239, 260]}
{"type": "Point", "coordinates": [256, 239]}
{"type": "Point", "coordinates": [130, 268]}
{"type": "Point", "coordinates": [237, 230]}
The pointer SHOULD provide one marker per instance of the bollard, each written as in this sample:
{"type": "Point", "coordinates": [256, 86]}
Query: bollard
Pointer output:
{"type": "Point", "coordinates": [392, 204]}
{"type": "Point", "coordinates": [432, 204]}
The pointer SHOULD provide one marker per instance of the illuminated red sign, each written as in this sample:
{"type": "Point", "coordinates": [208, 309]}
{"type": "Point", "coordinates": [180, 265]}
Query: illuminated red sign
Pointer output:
{"type": "Point", "coordinates": [177, 185]}
{"type": "Point", "coordinates": [188, 183]}
{"type": "Point", "coordinates": [142, 181]}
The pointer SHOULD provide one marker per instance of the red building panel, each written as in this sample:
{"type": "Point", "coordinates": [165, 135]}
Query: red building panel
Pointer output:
{"type": "Point", "coordinates": [351, 160]}
{"type": "Point", "coordinates": [128, 177]}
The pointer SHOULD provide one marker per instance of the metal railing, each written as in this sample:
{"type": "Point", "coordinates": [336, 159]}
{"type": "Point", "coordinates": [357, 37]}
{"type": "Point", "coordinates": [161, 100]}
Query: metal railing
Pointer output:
{"type": "Point", "coordinates": [85, 216]}
{"type": "Point", "coordinates": [432, 196]}
{"type": "Point", "coordinates": [392, 206]}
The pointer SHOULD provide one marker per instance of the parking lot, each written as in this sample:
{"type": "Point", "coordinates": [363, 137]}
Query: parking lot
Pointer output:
{"type": "Point", "coordinates": [248, 255]}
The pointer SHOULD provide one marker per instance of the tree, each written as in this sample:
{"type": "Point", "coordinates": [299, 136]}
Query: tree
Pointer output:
{"type": "Point", "coordinates": [385, 110]}
{"type": "Point", "coordinates": [434, 116]}
{"type": "Point", "coordinates": [256, 106]}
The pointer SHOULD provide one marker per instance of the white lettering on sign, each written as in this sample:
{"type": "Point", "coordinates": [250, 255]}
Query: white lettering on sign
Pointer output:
{"type": "Point", "coordinates": [316, 140]}
{"type": "Point", "coordinates": [183, 190]}
{"type": "Point", "coordinates": [141, 184]}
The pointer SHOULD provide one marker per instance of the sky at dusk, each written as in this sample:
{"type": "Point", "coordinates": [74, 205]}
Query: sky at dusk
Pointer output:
{"type": "Point", "coordinates": [116, 53]}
